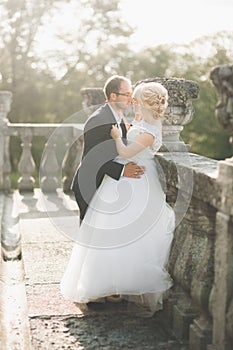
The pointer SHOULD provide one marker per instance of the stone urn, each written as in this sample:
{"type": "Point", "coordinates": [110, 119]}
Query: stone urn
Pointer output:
{"type": "Point", "coordinates": [179, 112]}
{"type": "Point", "coordinates": [222, 78]}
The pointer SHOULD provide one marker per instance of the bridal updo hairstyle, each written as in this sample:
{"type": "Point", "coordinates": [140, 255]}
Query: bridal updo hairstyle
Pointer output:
{"type": "Point", "coordinates": [153, 96]}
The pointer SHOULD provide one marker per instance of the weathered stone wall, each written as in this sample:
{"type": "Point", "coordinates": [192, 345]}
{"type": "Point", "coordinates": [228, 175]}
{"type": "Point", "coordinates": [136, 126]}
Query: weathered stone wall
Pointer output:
{"type": "Point", "coordinates": [200, 305]}
{"type": "Point", "coordinates": [191, 262]}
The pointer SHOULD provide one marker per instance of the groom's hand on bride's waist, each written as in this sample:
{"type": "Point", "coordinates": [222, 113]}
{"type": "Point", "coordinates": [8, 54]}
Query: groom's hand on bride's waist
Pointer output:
{"type": "Point", "coordinates": [134, 170]}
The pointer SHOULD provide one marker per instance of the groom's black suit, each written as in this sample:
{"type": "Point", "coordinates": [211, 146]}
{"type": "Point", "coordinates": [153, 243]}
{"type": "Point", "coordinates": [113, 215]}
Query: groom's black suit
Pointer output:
{"type": "Point", "coordinates": [98, 157]}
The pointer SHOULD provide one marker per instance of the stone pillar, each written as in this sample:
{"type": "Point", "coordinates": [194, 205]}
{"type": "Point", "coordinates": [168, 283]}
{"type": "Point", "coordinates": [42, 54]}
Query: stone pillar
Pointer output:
{"type": "Point", "coordinates": [49, 168]}
{"type": "Point", "coordinates": [179, 112]}
{"type": "Point", "coordinates": [5, 166]}
{"type": "Point", "coordinates": [222, 293]}
{"type": "Point", "coordinates": [26, 164]}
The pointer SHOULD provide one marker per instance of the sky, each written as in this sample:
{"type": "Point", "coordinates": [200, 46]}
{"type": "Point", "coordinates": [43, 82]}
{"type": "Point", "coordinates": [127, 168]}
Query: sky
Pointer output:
{"type": "Point", "coordinates": [176, 21]}
{"type": "Point", "coordinates": [155, 21]}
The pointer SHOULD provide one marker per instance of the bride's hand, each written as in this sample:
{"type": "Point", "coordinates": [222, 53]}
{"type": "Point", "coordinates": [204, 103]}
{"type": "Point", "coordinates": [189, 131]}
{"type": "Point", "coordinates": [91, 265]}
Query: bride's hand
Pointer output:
{"type": "Point", "coordinates": [138, 117]}
{"type": "Point", "coordinates": [115, 132]}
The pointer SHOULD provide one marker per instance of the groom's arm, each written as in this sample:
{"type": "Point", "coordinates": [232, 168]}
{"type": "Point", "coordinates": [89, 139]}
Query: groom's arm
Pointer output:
{"type": "Point", "coordinates": [100, 150]}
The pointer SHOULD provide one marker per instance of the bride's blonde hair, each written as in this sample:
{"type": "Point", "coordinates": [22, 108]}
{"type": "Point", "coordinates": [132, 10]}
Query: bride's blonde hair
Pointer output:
{"type": "Point", "coordinates": [153, 96]}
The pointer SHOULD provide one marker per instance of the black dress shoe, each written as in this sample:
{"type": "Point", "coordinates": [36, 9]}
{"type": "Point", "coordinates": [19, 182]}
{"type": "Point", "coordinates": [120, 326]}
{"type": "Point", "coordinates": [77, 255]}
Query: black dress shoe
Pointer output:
{"type": "Point", "coordinates": [93, 305]}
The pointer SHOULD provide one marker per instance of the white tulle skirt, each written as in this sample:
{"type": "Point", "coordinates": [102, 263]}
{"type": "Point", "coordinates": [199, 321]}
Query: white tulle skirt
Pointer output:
{"type": "Point", "coordinates": [123, 244]}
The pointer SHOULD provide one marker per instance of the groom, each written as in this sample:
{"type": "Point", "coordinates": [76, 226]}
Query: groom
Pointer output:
{"type": "Point", "coordinates": [99, 149]}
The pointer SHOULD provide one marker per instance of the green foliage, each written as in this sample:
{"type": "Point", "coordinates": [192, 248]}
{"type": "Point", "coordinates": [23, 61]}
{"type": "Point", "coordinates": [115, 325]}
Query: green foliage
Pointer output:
{"type": "Point", "coordinates": [46, 88]}
{"type": "Point", "coordinates": [204, 134]}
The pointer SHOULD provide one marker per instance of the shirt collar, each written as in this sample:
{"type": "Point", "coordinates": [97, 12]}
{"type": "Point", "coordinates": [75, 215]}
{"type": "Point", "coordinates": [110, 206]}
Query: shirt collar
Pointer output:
{"type": "Point", "coordinates": [117, 117]}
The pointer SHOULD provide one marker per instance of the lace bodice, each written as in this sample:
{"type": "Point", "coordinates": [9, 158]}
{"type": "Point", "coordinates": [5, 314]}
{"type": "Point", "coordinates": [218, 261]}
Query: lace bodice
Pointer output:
{"type": "Point", "coordinates": [155, 130]}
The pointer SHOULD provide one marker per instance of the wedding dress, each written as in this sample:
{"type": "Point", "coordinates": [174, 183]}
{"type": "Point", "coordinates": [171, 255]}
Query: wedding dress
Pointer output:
{"type": "Point", "coordinates": [123, 244]}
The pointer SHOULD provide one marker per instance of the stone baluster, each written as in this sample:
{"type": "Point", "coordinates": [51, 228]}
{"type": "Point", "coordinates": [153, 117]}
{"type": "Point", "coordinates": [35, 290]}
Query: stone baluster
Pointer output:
{"type": "Point", "coordinates": [5, 165]}
{"type": "Point", "coordinates": [179, 112]}
{"type": "Point", "coordinates": [49, 168]}
{"type": "Point", "coordinates": [67, 166]}
{"type": "Point", "coordinates": [222, 292]}
{"type": "Point", "coordinates": [26, 164]}
{"type": "Point", "coordinates": [71, 160]}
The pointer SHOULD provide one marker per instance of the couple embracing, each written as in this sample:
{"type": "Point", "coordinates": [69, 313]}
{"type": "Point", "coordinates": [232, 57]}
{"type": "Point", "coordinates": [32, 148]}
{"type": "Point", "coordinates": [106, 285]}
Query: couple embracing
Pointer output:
{"type": "Point", "coordinates": [126, 226]}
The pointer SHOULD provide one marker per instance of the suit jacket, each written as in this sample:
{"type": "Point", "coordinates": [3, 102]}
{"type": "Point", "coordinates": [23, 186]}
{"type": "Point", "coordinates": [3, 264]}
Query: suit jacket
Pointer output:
{"type": "Point", "coordinates": [98, 156]}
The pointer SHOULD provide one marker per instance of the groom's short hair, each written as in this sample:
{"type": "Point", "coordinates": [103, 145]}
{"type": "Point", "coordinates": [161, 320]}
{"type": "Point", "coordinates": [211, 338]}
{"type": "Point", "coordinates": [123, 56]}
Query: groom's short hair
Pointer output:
{"type": "Point", "coordinates": [113, 84]}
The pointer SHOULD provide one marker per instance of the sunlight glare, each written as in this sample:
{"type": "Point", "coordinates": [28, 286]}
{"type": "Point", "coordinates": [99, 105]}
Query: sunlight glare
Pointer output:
{"type": "Point", "coordinates": [176, 21]}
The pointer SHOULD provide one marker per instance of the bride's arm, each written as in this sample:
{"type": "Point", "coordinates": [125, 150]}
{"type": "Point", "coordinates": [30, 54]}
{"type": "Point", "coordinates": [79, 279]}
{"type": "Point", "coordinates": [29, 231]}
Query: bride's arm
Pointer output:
{"type": "Point", "coordinates": [142, 141]}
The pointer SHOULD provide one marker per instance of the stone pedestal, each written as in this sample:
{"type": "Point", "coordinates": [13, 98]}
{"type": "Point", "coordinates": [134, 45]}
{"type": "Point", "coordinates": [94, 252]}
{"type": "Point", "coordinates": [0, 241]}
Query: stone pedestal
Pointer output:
{"type": "Point", "coordinates": [171, 139]}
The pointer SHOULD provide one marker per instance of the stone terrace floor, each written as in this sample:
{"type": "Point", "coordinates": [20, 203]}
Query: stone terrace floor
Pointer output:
{"type": "Point", "coordinates": [34, 314]}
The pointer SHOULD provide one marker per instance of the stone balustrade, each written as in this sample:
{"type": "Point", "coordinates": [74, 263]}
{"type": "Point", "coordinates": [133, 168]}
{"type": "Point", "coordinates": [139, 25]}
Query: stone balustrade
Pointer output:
{"type": "Point", "coordinates": [199, 307]}
{"type": "Point", "coordinates": [56, 170]}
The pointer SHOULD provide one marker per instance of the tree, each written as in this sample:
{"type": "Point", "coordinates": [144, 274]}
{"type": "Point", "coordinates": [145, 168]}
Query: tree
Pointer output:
{"type": "Point", "coordinates": [46, 89]}
{"type": "Point", "coordinates": [99, 44]}
{"type": "Point", "coordinates": [94, 45]}
{"type": "Point", "coordinates": [204, 133]}
{"type": "Point", "coordinates": [19, 23]}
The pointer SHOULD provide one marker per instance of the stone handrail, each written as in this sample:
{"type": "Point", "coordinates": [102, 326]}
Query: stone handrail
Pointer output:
{"type": "Point", "coordinates": [68, 136]}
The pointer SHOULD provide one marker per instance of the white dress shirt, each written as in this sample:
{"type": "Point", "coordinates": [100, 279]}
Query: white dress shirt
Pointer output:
{"type": "Point", "coordinates": [118, 121]}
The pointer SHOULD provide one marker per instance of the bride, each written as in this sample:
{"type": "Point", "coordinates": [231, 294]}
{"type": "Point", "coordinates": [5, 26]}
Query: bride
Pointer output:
{"type": "Point", "coordinates": [123, 244]}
